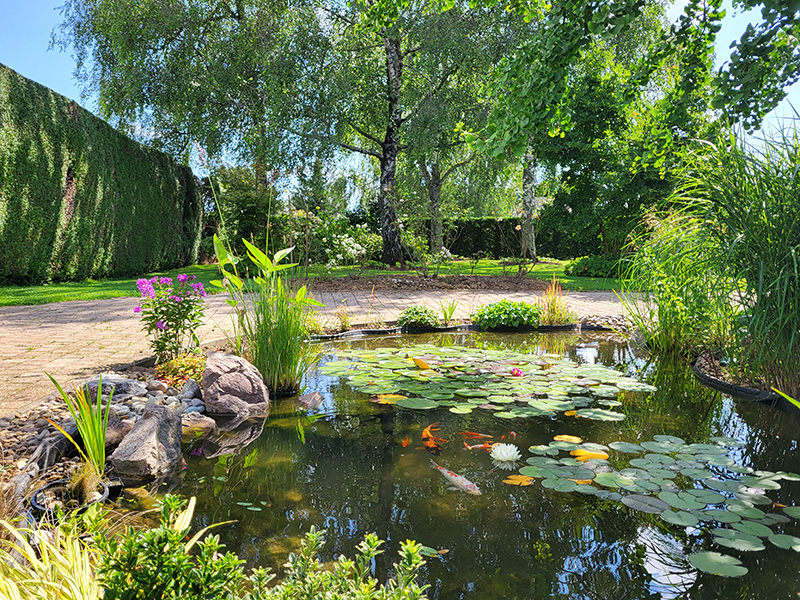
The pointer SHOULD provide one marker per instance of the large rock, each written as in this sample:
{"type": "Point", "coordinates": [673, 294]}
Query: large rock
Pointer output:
{"type": "Point", "coordinates": [152, 448]}
{"type": "Point", "coordinates": [232, 386]}
{"type": "Point", "coordinates": [195, 425]}
{"type": "Point", "coordinates": [120, 384]}
{"type": "Point", "coordinates": [117, 430]}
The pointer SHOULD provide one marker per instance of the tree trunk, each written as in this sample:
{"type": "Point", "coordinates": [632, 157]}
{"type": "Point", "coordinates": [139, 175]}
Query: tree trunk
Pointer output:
{"type": "Point", "coordinates": [390, 231]}
{"type": "Point", "coordinates": [529, 207]}
{"type": "Point", "coordinates": [433, 183]}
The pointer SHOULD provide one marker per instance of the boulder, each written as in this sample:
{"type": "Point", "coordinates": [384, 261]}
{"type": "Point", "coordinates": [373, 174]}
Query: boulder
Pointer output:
{"type": "Point", "coordinates": [191, 389]}
{"type": "Point", "coordinates": [308, 401]}
{"type": "Point", "coordinates": [233, 436]}
{"type": "Point", "coordinates": [116, 430]}
{"type": "Point", "coordinates": [232, 386]}
{"type": "Point", "coordinates": [152, 448]}
{"type": "Point", "coordinates": [120, 384]}
{"type": "Point", "coordinates": [195, 425]}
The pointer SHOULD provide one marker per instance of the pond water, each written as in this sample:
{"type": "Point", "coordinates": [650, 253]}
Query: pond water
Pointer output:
{"type": "Point", "coordinates": [355, 467]}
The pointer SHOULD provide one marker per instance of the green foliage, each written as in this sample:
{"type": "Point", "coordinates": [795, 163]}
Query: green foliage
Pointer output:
{"type": "Point", "coordinates": [448, 309]}
{"type": "Point", "coordinates": [752, 196]}
{"type": "Point", "coordinates": [78, 199]}
{"type": "Point", "coordinates": [593, 266]}
{"type": "Point", "coordinates": [171, 312]}
{"type": "Point", "coordinates": [554, 307]}
{"type": "Point", "coordinates": [418, 316]}
{"type": "Point", "coordinates": [675, 290]}
{"type": "Point", "coordinates": [180, 369]}
{"type": "Point", "coordinates": [506, 314]}
{"type": "Point", "coordinates": [269, 330]}
{"type": "Point", "coordinates": [91, 421]}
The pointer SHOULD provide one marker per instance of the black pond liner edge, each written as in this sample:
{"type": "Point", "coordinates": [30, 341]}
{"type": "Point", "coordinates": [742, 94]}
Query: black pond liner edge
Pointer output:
{"type": "Point", "coordinates": [742, 392]}
{"type": "Point", "coordinates": [354, 333]}
{"type": "Point", "coordinates": [49, 512]}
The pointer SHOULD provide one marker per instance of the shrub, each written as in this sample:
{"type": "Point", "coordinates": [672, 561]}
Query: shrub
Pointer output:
{"type": "Point", "coordinates": [506, 314]}
{"type": "Point", "coordinates": [180, 369]}
{"type": "Point", "coordinates": [418, 316]}
{"type": "Point", "coordinates": [593, 266]}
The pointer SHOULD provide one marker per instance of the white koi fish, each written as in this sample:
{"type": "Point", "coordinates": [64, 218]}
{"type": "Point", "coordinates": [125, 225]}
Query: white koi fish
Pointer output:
{"type": "Point", "coordinates": [458, 481]}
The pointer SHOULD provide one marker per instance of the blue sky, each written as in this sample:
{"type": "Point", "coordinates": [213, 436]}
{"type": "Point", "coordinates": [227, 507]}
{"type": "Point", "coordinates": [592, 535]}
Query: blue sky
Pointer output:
{"type": "Point", "coordinates": [26, 27]}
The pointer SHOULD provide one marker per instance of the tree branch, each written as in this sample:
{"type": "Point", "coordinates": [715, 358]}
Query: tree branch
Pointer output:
{"type": "Point", "coordinates": [367, 135]}
{"type": "Point", "coordinates": [442, 80]}
{"type": "Point", "coordinates": [327, 140]}
{"type": "Point", "coordinates": [455, 166]}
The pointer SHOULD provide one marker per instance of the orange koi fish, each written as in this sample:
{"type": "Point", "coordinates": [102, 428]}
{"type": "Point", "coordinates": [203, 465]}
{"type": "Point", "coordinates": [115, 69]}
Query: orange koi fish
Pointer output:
{"type": "Point", "coordinates": [430, 442]}
{"type": "Point", "coordinates": [405, 442]}
{"type": "Point", "coordinates": [471, 435]}
{"type": "Point", "coordinates": [458, 481]}
{"type": "Point", "coordinates": [486, 446]}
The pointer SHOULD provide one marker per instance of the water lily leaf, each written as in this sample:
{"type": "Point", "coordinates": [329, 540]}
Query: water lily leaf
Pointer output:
{"type": "Point", "coordinates": [626, 447]}
{"type": "Point", "coordinates": [669, 439]}
{"type": "Point", "coordinates": [598, 414]}
{"type": "Point", "coordinates": [438, 395]}
{"type": "Point", "coordinates": [630, 385]}
{"type": "Point", "coordinates": [752, 528]}
{"type": "Point", "coordinates": [541, 461]}
{"type": "Point", "coordinates": [681, 500]}
{"type": "Point", "coordinates": [503, 414]}
{"type": "Point", "coordinates": [707, 496]}
{"type": "Point", "coordinates": [792, 511]}
{"type": "Point", "coordinates": [646, 504]}
{"type": "Point", "coordinates": [760, 482]}
{"type": "Point", "coordinates": [386, 398]}
{"type": "Point", "coordinates": [661, 447]}
{"type": "Point", "coordinates": [573, 439]}
{"type": "Point", "coordinates": [743, 542]}
{"type": "Point", "coordinates": [661, 459]}
{"type": "Point", "coordinates": [460, 410]}
{"type": "Point", "coordinates": [717, 564]}
{"type": "Point", "coordinates": [562, 445]}
{"type": "Point", "coordinates": [584, 455]}
{"type": "Point", "coordinates": [724, 486]}
{"type": "Point", "coordinates": [421, 364]}
{"type": "Point", "coordinates": [417, 403]}
{"type": "Point", "coordinates": [682, 518]}
{"type": "Point", "coordinates": [697, 473]}
{"type": "Point", "coordinates": [747, 512]}
{"type": "Point", "coordinates": [788, 476]}
{"type": "Point", "coordinates": [470, 393]}
{"type": "Point", "coordinates": [703, 448]}
{"type": "Point", "coordinates": [720, 516]}
{"type": "Point", "coordinates": [542, 449]}
{"type": "Point", "coordinates": [787, 542]}
{"type": "Point", "coordinates": [530, 471]}
{"type": "Point", "coordinates": [775, 519]}
{"type": "Point", "coordinates": [607, 495]}
{"type": "Point", "coordinates": [613, 480]}
{"type": "Point", "coordinates": [726, 441]}
{"type": "Point", "coordinates": [522, 480]}
{"type": "Point", "coordinates": [566, 486]}
{"type": "Point", "coordinates": [750, 498]}
{"type": "Point", "coordinates": [574, 473]}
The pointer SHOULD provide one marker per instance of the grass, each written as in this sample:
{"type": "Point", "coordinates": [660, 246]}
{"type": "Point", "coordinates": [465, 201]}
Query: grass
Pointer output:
{"type": "Point", "coordinates": [16, 295]}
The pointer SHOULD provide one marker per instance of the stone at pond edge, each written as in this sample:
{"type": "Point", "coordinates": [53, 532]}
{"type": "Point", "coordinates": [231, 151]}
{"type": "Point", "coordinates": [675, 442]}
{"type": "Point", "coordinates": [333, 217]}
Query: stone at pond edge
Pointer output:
{"type": "Point", "coordinates": [191, 389]}
{"type": "Point", "coordinates": [152, 448]}
{"type": "Point", "coordinates": [120, 384]}
{"type": "Point", "coordinates": [116, 430]}
{"type": "Point", "coordinates": [195, 425]}
{"type": "Point", "coordinates": [308, 401]}
{"type": "Point", "coordinates": [232, 386]}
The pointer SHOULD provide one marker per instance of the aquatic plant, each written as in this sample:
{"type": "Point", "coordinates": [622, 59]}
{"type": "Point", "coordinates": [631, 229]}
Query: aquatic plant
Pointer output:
{"type": "Point", "coordinates": [91, 421]}
{"type": "Point", "coordinates": [505, 456]}
{"type": "Point", "coordinates": [554, 307]}
{"type": "Point", "coordinates": [418, 316]}
{"type": "Point", "coordinates": [448, 310]}
{"type": "Point", "coordinates": [506, 313]}
{"type": "Point", "coordinates": [270, 329]}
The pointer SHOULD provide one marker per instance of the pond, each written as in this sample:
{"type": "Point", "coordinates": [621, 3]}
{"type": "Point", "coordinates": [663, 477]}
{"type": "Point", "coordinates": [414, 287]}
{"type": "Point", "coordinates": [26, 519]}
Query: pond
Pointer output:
{"type": "Point", "coordinates": [354, 466]}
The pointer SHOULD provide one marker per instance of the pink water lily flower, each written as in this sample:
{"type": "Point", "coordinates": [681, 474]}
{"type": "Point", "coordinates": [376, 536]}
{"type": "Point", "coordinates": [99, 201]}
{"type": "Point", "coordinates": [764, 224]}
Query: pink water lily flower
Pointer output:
{"type": "Point", "coordinates": [517, 373]}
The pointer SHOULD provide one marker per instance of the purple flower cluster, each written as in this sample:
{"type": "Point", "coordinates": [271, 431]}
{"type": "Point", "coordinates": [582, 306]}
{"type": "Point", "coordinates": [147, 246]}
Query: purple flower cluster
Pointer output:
{"type": "Point", "coordinates": [146, 287]}
{"type": "Point", "coordinates": [198, 287]}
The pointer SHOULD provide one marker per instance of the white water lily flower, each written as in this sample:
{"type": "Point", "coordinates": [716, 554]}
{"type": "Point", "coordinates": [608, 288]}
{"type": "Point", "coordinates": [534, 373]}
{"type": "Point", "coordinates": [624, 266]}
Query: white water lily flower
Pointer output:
{"type": "Point", "coordinates": [506, 455]}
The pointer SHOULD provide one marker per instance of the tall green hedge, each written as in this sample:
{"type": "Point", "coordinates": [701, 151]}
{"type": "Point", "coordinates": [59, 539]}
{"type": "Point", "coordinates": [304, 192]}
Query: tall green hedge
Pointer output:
{"type": "Point", "coordinates": [78, 199]}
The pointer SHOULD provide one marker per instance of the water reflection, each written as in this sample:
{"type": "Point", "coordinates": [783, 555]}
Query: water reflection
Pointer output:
{"type": "Point", "coordinates": [353, 475]}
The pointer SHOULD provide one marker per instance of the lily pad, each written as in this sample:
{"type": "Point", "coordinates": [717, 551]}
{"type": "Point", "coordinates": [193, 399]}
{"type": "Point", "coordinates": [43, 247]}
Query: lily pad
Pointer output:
{"type": "Point", "coordinates": [743, 542]}
{"type": "Point", "coordinates": [613, 480]}
{"type": "Point", "coordinates": [752, 528]}
{"type": "Point", "coordinates": [598, 414]}
{"type": "Point", "coordinates": [626, 447]}
{"type": "Point", "coordinates": [721, 516]}
{"type": "Point", "coordinates": [461, 410]}
{"type": "Point", "coordinates": [724, 486]}
{"type": "Point", "coordinates": [792, 511]}
{"type": "Point", "coordinates": [787, 542]}
{"type": "Point", "coordinates": [417, 403]}
{"type": "Point", "coordinates": [681, 517]}
{"type": "Point", "coordinates": [530, 471]}
{"type": "Point", "coordinates": [646, 504]}
{"type": "Point", "coordinates": [681, 500]}
{"type": "Point", "coordinates": [717, 564]}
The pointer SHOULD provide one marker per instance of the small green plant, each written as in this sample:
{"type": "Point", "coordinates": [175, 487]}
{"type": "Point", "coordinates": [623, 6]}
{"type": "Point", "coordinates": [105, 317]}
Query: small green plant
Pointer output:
{"type": "Point", "coordinates": [554, 307]}
{"type": "Point", "coordinates": [91, 421]}
{"type": "Point", "coordinates": [418, 316]}
{"type": "Point", "coordinates": [176, 372]}
{"type": "Point", "coordinates": [448, 310]}
{"type": "Point", "coordinates": [506, 314]}
{"type": "Point", "coordinates": [171, 313]}
{"type": "Point", "coordinates": [343, 316]}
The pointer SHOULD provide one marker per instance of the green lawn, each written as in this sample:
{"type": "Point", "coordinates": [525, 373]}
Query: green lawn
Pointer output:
{"type": "Point", "coordinates": [115, 288]}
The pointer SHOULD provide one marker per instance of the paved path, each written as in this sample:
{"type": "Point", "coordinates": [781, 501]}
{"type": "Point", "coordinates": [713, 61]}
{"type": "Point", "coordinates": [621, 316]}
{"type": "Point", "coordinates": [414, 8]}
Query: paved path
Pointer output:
{"type": "Point", "coordinates": [75, 340]}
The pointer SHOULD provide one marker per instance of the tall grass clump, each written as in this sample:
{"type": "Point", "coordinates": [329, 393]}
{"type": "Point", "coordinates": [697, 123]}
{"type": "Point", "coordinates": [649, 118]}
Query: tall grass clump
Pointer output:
{"type": "Point", "coordinates": [674, 288]}
{"type": "Point", "coordinates": [269, 326]}
{"type": "Point", "coordinates": [751, 192]}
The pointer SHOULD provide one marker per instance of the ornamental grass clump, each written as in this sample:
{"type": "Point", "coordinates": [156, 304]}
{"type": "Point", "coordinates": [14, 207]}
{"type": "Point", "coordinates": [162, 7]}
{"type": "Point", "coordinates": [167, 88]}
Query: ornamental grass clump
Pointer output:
{"type": "Point", "coordinates": [554, 307]}
{"type": "Point", "coordinates": [171, 313]}
{"type": "Point", "coordinates": [269, 324]}
{"type": "Point", "coordinates": [507, 314]}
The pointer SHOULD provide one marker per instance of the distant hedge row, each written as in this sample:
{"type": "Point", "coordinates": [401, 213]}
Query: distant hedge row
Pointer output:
{"type": "Point", "coordinates": [78, 199]}
{"type": "Point", "coordinates": [498, 238]}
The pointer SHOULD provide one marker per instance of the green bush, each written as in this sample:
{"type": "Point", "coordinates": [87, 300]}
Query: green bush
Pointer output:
{"type": "Point", "coordinates": [418, 316]}
{"type": "Point", "coordinates": [506, 314]}
{"type": "Point", "coordinates": [78, 199]}
{"type": "Point", "coordinates": [593, 266]}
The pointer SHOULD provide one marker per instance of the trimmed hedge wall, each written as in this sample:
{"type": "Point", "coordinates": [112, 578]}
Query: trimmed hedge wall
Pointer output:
{"type": "Point", "coordinates": [500, 238]}
{"type": "Point", "coordinates": [78, 199]}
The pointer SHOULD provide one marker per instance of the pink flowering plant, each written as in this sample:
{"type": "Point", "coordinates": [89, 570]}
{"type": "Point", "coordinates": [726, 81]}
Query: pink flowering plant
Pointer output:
{"type": "Point", "coordinates": [171, 313]}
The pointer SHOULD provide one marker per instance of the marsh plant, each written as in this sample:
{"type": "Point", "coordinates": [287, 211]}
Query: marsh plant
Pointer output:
{"type": "Point", "coordinates": [269, 326]}
{"type": "Point", "coordinates": [554, 307]}
{"type": "Point", "coordinates": [675, 290]}
{"type": "Point", "coordinates": [171, 312]}
{"type": "Point", "coordinates": [448, 309]}
{"type": "Point", "coordinates": [751, 194]}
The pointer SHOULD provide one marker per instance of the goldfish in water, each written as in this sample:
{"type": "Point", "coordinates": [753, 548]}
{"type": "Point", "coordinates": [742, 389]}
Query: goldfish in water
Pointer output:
{"type": "Point", "coordinates": [486, 446]}
{"type": "Point", "coordinates": [458, 481]}
{"type": "Point", "coordinates": [431, 443]}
